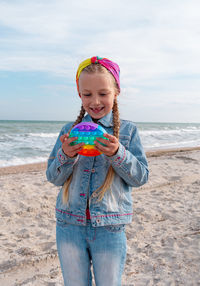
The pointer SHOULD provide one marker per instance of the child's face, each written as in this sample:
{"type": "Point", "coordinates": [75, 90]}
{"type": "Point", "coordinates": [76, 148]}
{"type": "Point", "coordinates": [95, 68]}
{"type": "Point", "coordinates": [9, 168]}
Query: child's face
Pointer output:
{"type": "Point", "coordinates": [97, 92]}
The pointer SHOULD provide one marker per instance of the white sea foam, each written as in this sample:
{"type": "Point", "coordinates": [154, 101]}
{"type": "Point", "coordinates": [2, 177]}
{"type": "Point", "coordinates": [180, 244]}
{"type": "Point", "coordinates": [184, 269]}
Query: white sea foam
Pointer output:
{"type": "Point", "coordinates": [44, 135]}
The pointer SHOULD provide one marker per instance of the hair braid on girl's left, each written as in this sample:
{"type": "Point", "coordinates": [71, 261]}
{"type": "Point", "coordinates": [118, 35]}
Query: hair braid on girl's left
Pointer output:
{"type": "Point", "coordinates": [110, 174]}
{"type": "Point", "coordinates": [116, 120]}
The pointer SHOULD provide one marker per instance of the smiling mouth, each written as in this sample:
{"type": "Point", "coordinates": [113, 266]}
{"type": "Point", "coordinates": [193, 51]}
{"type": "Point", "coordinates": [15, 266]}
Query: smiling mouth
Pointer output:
{"type": "Point", "coordinates": [97, 110]}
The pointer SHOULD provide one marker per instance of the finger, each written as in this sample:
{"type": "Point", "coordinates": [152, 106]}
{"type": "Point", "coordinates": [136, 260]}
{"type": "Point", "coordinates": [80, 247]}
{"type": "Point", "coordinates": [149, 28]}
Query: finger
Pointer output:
{"type": "Point", "coordinates": [73, 150]}
{"type": "Point", "coordinates": [107, 151]}
{"type": "Point", "coordinates": [76, 150]}
{"type": "Point", "coordinates": [100, 147]}
{"type": "Point", "coordinates": [64, 137]}
{"type": "Point", "coordinates": [77, 146]}
{"type": "Point", "coordinates": [70, 140]}
{"type": "Point", "coordinates": [110, 137]}
{"type": "Point", "coordinates": [103, 141]}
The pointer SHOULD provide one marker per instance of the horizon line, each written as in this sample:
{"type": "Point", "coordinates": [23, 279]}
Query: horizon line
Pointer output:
{"type": "Point", "coordinates": [50, 120]}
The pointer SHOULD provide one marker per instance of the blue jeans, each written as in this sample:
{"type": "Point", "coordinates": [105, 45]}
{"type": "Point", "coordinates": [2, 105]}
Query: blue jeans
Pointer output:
{"type": "Point", "coordinates": [80, 246]}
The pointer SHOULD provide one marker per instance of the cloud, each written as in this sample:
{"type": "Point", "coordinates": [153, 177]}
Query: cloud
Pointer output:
{"type": "Point", "coordinates": [156, 44]}
{"type": "Point", "coordinates": [148, 40]}
{"type": "Point", "coordinates": [35, 18]}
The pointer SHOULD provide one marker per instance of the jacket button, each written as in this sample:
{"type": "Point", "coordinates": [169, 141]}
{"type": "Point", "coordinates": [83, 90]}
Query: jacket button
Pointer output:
{"type": "Point", "coordinates": [93, 170]}
{"type": "Point", "coordinates": [98, 220]}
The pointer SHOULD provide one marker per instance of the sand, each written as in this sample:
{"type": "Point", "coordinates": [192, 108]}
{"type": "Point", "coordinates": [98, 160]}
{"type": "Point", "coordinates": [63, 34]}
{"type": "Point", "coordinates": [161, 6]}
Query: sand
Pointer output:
{"type": "Point", "coordinates": [163, 240]}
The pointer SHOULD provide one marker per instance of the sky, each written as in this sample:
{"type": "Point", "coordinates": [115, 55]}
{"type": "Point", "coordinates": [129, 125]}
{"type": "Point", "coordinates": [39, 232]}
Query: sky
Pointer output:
{"type": "Point", "coordinates": [155, 42]}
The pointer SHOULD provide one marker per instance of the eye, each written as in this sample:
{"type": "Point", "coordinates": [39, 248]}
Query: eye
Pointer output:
{"type": "Point", "coordinates": [102, 94]}
{"type": "Point", "coordinates": [87, 94]}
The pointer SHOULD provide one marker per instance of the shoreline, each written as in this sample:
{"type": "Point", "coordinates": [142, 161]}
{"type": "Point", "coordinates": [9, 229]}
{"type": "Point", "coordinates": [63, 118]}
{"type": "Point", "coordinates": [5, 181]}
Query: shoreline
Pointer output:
{"type": "Point", "coordinates": [36, 167]}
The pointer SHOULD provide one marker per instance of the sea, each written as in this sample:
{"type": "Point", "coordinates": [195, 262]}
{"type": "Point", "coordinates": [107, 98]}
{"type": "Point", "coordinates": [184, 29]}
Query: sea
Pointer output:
{"type": "Point", "coordinates": [24, 142]}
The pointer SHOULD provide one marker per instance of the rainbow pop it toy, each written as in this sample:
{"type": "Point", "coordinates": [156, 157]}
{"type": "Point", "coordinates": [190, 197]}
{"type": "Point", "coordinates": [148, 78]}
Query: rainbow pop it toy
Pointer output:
{"type": "Point", "coordinates": [87, 132]}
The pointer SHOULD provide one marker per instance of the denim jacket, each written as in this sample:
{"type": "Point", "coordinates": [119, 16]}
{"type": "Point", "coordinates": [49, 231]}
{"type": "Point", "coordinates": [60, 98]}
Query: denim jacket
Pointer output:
{"type": "Point", "coordinates": [89, 173]}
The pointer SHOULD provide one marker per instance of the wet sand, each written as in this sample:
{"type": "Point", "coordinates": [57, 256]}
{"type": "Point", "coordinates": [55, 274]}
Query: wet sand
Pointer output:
{"type": "Point", "coordinates": [163, 240]}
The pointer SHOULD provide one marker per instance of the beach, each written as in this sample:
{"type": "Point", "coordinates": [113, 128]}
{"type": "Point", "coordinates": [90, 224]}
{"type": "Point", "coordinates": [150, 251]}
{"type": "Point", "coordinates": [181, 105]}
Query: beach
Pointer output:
{"type": "Point", "coordinates": [163, 240]}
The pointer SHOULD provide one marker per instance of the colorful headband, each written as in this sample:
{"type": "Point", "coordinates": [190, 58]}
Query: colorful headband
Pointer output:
{"type": "Point", "coordinates": [109, 65]}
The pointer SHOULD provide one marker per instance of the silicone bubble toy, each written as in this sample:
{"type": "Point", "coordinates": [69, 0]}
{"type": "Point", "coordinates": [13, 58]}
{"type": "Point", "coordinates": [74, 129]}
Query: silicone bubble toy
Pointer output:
{"type": "Point", "coordinates": [87, 132]}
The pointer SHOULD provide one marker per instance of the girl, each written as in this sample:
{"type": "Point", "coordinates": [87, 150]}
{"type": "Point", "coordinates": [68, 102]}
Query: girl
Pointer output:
{"type": "Point", "coordinates": [95, 203]}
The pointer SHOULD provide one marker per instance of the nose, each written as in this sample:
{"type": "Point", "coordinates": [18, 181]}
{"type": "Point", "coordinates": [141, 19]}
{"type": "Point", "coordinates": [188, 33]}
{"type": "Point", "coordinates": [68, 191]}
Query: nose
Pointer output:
{"type": "Point", "coordinates": [96, 100]}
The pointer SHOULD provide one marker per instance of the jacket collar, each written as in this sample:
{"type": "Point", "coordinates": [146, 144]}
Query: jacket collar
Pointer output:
{"type": "Point", "coordinates": [106, 121]}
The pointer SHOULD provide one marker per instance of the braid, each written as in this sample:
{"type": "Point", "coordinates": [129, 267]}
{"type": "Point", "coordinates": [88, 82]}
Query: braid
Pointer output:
{"type": "Point", "coordinates": [68, 181]}
{"type": "Point", "coordinates": [110, 174]}
{"type": "Point", "coordinates": [116, 120]}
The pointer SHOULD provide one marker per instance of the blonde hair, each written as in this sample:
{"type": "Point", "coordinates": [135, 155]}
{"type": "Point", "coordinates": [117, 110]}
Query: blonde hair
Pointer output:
{"type": "Point", "coordinates": [116, 125]}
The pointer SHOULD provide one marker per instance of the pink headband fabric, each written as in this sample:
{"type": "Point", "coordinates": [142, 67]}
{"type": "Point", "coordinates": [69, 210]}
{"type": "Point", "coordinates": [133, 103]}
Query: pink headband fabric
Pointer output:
{"type": "Point", "coordinates": [109, 65]}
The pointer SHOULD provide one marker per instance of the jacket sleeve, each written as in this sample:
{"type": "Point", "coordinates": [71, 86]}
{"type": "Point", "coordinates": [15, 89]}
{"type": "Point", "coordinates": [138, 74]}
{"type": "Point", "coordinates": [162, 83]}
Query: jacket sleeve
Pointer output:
{"type": "Point", "coordinates": [59, 166]}
{"type": "Point", "coordinates": [131, 164]}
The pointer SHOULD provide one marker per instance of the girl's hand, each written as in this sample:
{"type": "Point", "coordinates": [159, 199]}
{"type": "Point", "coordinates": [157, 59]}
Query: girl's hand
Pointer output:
{"type": "Point", "coordinates": [112, 145]}
{"type": "Point", "coordinates": [70, 151]}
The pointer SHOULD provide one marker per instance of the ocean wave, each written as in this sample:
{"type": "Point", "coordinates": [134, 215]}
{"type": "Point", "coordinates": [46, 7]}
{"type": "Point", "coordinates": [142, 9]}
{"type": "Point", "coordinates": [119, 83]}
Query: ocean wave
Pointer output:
{"type": "Point", "coordinates": [15, 161]}
{"type": "Point", "coordinates": [44, 135]}
{"type": "Point", "coordinates": [169, 132]}
{"type": "Point", "coordinates": [175, 144]}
